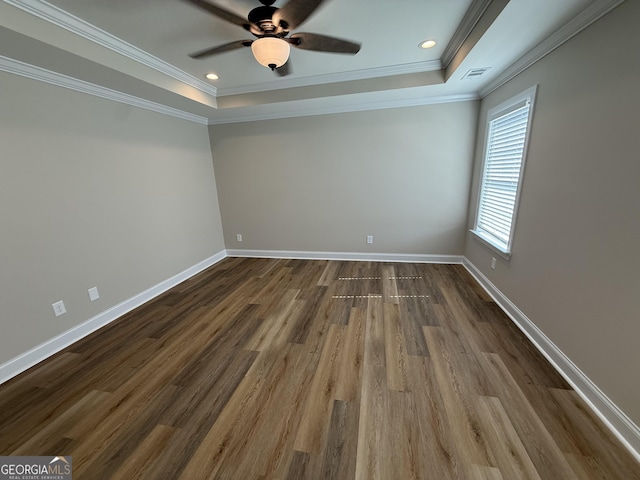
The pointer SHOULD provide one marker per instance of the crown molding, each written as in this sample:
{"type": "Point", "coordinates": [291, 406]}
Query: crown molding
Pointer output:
{"type": "Point", "coordinates": [469, 21]}
{"type": "Point", "coordinates": [589, 15]}
{"type": "Point", "coordinates": [301, 109]}
{"type": "Point", "coordinates": [73, 24]}
{"type": "Point", "coordinates": [17, 67]}
{"type": "Point", "coordinates": [304, 110]}
{"type": "Point", "coordinates": [364, 74]}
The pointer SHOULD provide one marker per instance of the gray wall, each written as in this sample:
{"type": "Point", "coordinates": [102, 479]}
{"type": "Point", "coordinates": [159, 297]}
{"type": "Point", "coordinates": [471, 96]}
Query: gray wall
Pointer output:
{"type": "Point", "coordinates": [93, 193]}
{"type": "Point", "coordinates": [575, 265]}
{"type": "Point", "coordinates": [324, 183]}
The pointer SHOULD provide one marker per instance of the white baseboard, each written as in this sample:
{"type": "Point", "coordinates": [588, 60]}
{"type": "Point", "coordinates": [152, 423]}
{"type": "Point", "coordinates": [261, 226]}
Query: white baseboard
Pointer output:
{"type": "Point", "coordinates": [617, 421]}
{"type": "Point", "coordinates": [348, 256]}
{"type": "Point", "coordinates": [30, 358]}
{"type": "Point", "coordinates": [41, 352]}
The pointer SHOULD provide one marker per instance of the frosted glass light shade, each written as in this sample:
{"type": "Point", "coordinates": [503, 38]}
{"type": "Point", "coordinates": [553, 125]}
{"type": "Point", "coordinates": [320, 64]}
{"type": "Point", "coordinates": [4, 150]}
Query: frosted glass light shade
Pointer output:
{"type": "Point", "coordinates": [270, 51]}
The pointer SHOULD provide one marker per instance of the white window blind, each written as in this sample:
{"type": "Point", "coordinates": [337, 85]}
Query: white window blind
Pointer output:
{"type": "Point", "coordinates": [507, 136]}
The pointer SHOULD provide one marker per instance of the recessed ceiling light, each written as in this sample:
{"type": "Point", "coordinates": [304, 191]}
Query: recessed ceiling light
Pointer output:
{"type": "Point", "coordinates": [211, 76]}
{"type": "Point", "coordinates": [427, 44]}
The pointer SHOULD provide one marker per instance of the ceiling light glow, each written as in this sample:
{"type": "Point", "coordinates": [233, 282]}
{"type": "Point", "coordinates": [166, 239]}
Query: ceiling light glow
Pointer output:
{"type": "Point", "coordinates": [427, 44]}
{"type": "Point", "coordinates": [271, 52]}
{"type": "Point", "coordinates": [211, 76]}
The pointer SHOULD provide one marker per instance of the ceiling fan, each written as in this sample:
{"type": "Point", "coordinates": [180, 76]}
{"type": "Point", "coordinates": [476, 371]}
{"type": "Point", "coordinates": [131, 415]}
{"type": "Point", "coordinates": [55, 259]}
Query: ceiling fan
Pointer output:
{"type": "Point", "coordinates": [271, 27]}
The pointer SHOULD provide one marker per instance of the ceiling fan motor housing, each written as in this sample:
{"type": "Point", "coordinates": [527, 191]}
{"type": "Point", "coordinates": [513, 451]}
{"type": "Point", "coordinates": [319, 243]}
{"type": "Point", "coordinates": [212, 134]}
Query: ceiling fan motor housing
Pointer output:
{"type": "Point", "coordinates": [262, 17]}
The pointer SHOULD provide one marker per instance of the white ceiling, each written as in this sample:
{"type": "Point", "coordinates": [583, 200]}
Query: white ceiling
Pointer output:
{"type": "Point", "coordinates": [139, 49]}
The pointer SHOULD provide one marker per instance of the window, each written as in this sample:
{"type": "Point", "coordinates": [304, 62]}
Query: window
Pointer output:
{"type": "Point", "coordinates": [508, 127]}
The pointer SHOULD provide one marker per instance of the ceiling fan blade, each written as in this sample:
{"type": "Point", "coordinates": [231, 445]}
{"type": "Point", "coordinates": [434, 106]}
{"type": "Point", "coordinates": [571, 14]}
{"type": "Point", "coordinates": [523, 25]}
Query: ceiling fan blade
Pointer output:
{"type": "Point", "coordinates": [221, 48]}
{"type": "Point", "coordinates": [323, 43]}
{"type": "Point", "coordinates": [221, 13]}
{"type": "Point", "coordinates": [284, 70]}
{"type": "Point", "coordinates": [294, 13]}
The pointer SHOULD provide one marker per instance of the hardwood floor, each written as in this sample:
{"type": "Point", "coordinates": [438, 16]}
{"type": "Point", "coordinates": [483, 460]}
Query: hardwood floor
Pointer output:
{"type": "Point", "coordinates": [292, 369]}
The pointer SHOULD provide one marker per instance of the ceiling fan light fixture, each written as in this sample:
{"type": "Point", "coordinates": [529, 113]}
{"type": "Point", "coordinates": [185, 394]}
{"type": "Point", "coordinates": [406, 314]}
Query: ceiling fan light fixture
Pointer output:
{"type": "Point", "coordinates": [271, 52]}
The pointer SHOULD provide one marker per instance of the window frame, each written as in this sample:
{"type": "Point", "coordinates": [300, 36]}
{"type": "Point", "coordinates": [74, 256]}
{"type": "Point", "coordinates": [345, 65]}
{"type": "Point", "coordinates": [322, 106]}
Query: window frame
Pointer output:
{"type": "Point", "coordinates": [499, 111]}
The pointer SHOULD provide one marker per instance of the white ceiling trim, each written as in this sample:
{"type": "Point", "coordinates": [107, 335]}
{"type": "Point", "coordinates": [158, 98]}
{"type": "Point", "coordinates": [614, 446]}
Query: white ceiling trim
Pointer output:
{"type": "Point", "coordinates": [589, 15]}
{"type": "Point", "coordinates": [469, 21]}
{"type": "Point", "coordinates": [364, 74]}
{"type": "Point", "coordinates": [63, 19]}
{"type": "Point", "coordinates": [306, 110]}
{"type": "Point", "coordinates": [33, 72]}
{"type": "Point", "coordinates": [73, 24]}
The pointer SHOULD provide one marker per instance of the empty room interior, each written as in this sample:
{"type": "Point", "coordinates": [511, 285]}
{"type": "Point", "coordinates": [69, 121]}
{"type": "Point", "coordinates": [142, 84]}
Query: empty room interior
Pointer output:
{"type": "Point", "coordinates": [307, 265]}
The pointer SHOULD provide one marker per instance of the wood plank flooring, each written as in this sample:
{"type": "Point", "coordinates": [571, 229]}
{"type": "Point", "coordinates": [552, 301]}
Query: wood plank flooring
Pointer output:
{"type": "Point", "coordinates": [293, 369]}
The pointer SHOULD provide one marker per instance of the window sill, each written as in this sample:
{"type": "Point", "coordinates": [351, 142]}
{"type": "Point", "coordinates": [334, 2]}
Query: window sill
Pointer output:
{"type": "Point", "coordinates": [488, 243]}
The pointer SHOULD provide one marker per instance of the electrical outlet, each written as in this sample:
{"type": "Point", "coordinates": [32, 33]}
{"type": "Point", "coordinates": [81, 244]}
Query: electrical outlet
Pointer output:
{"type": "Point", "coordinates": [369, 238]}
{"type": "Point", "coordinates": [493, 263]}
{"type": "Point", "coordinates": [93, 294]}
{"type": "Point", "coordinates": [58, 308]}
{"type": "Point", "coordinates": [239, 237]}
